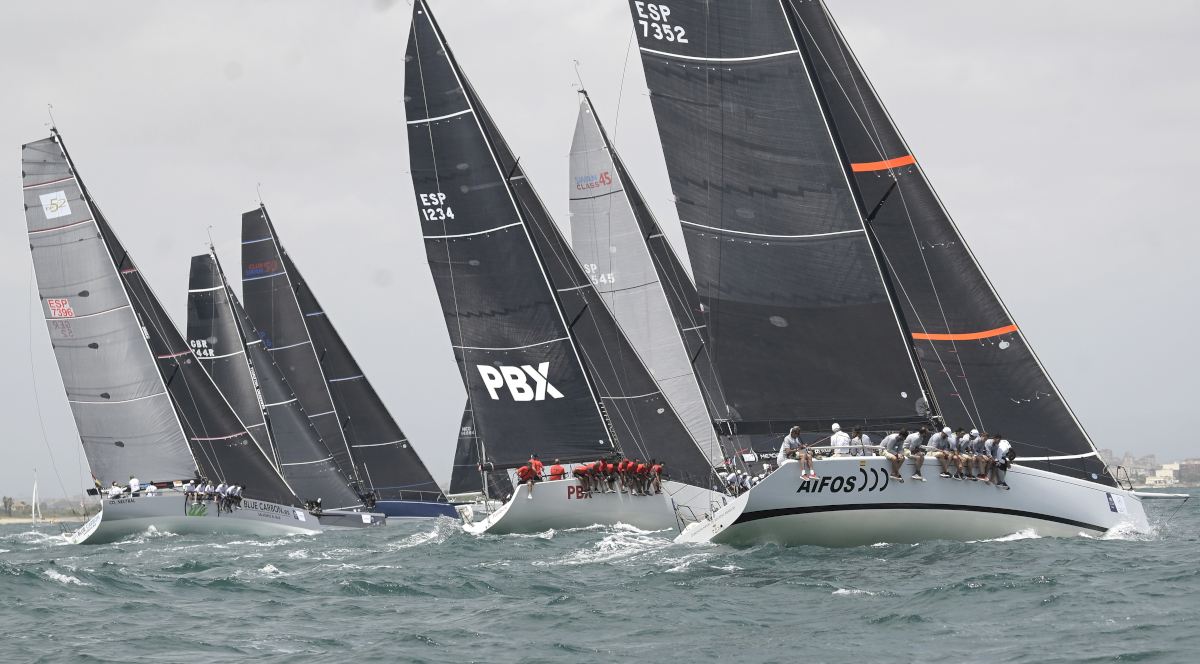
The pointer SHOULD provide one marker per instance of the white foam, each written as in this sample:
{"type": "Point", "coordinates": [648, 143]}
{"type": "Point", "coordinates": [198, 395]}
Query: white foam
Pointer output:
{"type": "Point", "coordinates": [1128, 532]}
{"type": "Point", "coordinates": [298, 554]}
{"type": "Point", "coordinates": [1026, 534]}
{"type": "Point", "coordinates": [65, 579]}
{"type": "Point", "coordinates": [623, 543]}
{"type": "Point", "coordinates": [271, 570]}
{"type": "Point", "coordinates": [853, 592]}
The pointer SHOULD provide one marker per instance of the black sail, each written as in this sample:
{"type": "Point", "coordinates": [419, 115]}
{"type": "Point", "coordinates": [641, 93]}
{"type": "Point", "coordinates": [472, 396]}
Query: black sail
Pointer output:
{"type": "Point", "coordinates": [981, 368]}
{"type": "Point", "coordinates": [546, 367]}
{"type": "Point", "coordinates": [801, 326]}
{"type": "Point", "coordinates": [222, 448]}
{"type": "Point", "coordinates": [468, 476]}
{"type": "Point", "coordinates": [244, 370]}
{"type": "Point", "coordinates": [387, 461]}
{"type": "Point", "coordinates": [270, 299]}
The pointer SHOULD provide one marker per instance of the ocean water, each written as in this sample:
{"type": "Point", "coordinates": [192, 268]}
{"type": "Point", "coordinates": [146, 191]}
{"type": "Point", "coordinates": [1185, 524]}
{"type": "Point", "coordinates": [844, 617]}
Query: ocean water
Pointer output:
{"type": "Point", "coordinates": [427, 592]}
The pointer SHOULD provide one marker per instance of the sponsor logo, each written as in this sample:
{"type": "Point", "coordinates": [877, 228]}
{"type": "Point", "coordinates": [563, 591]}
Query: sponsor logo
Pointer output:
{"type": "Point", "coordinates": [54, 205]}
{"type": "Point", "coordinates": [120, 501]}
{"type": "Point", "coordinates": [868, 479]}
{"type": "Point", "coordinates": [262, 267]}
{"type": "Point", "coordinates": [586, 182]}
{"type": "Point", "coordinates": [197, 509]}
{"type": "Point", "coordinates": [517, 380]}
{"type": "Point", "coordinates": [1116, 504]}
{"type": "Point", "coordinates": [60, 308]}
{"type": "Point", "coordinates": [260, 506]}
{"type": "Point", "coordinates": [577, 493]}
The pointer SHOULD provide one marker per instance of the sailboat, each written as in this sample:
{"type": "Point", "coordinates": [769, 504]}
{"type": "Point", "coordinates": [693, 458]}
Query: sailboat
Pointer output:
{"type": "Point", "coordinates": [367, 445]}
{"type": "Point", "coordinates": [226, 344]}
{"type": "Point", "coordinates": [546, 367]}
{"type": "Point", "coordinates": [837, 289]}
{"type": "Point", "coordinates": [141, 402]}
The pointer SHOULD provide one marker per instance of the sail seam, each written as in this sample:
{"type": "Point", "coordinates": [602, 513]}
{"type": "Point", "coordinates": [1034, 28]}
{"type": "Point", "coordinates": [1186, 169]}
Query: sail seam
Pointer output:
{"type": "Point", "coordinates": [307, 463]}
{"type": "Point", "coordinates": [279, 403]}
{"type": "Point", "coordinates": [98, 313]}
{"type": "Point", "coordinates": [540, 343]}
{"type": "Point", "coordinates": [59, 228]}
{"type": "Point", "coordinates": [218, 357]}
{"type": "Point", "coordinates": [769, 235]}
{"type": "Point", "coordinates": [338, 380]}
{"type": "Point", "coordinates": [107, 402]}
{"type": "Point", "coordinates": [205, 290]}
{"type": "Point", "coordinates": [966, 336]}
{"type": "Point", "coordinates": [43, 184]}
{"type": "Point", "coordinates": [394, 442]}
{"type": "Point", "coordinates": [637, 396]}
{"type": "Point", "coordinates": [440, 117]}
{"type": "Point", "coordinates": [695, 58]}
{"type": "Point", "coordinates": [490, 230]}
{"type": "Point", "coordinates": [264, 276]}
{"type": "Point", "coordinates": [289, 346]}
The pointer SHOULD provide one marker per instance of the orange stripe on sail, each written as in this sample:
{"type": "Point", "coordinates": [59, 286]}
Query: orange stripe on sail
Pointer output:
{"type": "Point", "coordinates": [969, 336]}
{"type": "Point", "coordinates": [869, 166]}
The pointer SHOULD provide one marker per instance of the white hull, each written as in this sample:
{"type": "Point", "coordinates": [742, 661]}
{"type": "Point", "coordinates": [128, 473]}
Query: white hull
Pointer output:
{"type": "Point", "coordinates": [854, 503]}
{"type": "Point", "coordinates": [169, 512]}
{"type": "Point", "coordinates": [560, 504]}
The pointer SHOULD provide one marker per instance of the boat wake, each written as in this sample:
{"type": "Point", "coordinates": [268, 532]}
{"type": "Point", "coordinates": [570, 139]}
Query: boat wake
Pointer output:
{"type": "Point", "coordinates": [1025, 534]}
{"type": "Point", "coordinates": [65, 579]}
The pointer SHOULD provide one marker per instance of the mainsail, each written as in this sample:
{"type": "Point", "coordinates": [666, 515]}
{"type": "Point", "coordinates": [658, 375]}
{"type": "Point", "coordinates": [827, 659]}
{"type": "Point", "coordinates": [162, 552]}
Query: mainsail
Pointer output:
{"type": "Point", "coordinates": [763, 100]}
{"type": "Point", "coordinates": [227, 346]}
{"type": "Point", "coordinates": [546, 367]}
{"type": "Point", "coordinates": [381, 455]}
{"type": "Point", "coordinates": [801, 325]}
{"type": "Point", "coordinates": [141, 401]}
{"type": "Point", "coordinates": [633, 267]}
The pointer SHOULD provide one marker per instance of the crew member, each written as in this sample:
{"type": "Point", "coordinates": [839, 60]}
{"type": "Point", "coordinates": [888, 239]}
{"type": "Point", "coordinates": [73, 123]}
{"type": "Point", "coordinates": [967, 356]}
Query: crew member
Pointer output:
{"type": "Point", "coordinates": [860, 443]}
{"type": "Point", "coordinates": [839, 441]}
{"type": "Point", "coordinates": [1004, 457]}
{"type": "Point", "coordinates": [557, 472]}
{"type": "Point", "coordinates": [189, 488]}
{"type": "Point", "coordinates": [914, 448]}
{"type": "Point", "coordinates": [115, 490]}
{"type": "Point", "coordinates": [537, 466]}
{"type": "Point", "coordinates": [656, 470]}
{"type": "Point", "coordinates": [982, 458]}
{"type": "Point", "coordinates": [940, 444]}
{"type": "Point", "coordinates": [794, 448]}
{"type": "Point", "coordinates": [525, 475]}
{"type": "Point", "coordinates": [893, 451]}
{"type": "Point", "coordinates": [962, 454]}
{"type": "Point", "coordinates": [134, 485]}
{"type": "Point", "coordinates": [583, 473]}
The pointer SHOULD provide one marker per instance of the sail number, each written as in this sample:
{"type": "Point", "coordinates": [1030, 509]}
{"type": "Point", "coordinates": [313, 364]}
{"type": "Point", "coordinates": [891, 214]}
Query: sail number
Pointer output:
{"type": "Point", "coordinates": [598, 278]}
{"type": "Point", "coordinates": [653, 17]}
{"type": "Point", "coordinates": [200, 347]}
{"type": "Point", "coordinates": [434, 208]}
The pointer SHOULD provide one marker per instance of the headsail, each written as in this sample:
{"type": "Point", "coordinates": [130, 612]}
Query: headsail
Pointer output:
{"type": "Point", "coordinates": [241, 367]}
{"type": "Point", "coordinates": [142, 403]}
{"type": "Point", "coordinates": [632, 265]}
{"type": "Point", "coordinates": [546, 367]}
{"type": "Point", "coordinates": [468, 476]}
{"type": "Point", "coordinates": [981, 368]}
{"type": "Point", "coordinates": [800, 322]}
{"type": "Point", "coordinates": [382, 458]}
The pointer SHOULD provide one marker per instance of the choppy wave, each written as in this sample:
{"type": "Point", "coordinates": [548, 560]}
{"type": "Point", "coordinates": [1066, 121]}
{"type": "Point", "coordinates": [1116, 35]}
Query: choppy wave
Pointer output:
{"type": "Point", "coordinates": [427, 591]}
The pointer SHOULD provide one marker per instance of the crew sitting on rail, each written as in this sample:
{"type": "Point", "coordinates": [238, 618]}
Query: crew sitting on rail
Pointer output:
{"type": "Point", "coordinates": [794, 448]}
{"type": "Point", "coordinates": [940, 444]}
{"type": "Point", "coordinates": [610, 477]}
{"type": "Point", "coordinates": [914, 448]}
{"type": "Point", "coordinates": [583, 473]}
{"type": "Point", "coordinates": [656, 473]}
{"type": "Point", "coordinates": [236, 495]}
{"type": "Point", "coordinates": [839, 441]}
{"type": "Point", "coordinates": [525, 475]}
{"type": "Point", "coordinates": [557, 472]}
{"type": "Point", "coordinates": [989, 446]}
{"type": "Point", "coordinates": [983, 460]}
{"type": "Point", "coordinates": [733, 483]}
{"type": "Point", "coordinates": [188, 488]}
{"type": "Point", "coordinates": [151, 490]}
{"type": "Point", "coordinates": [1004, 457]}
{"type": "Point", "coordinates": [962, 455]}
{"type": "Point", "coordinates": [115, 490]}
{"type": "Point", "coordinates": [893, 451]}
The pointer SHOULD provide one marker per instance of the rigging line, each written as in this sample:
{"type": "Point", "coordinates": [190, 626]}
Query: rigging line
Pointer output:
{"type": "Point", "coordinates": [621, 86]}
{"type": "Point", "coordinates": [37, 400]}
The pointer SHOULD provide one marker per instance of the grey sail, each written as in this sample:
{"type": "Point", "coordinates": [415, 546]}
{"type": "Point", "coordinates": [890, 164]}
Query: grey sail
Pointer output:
{"type": "Point", "coordinates": [802, 327]}
{"type": "Point", "coordinates": [241, 367]}
{"type": "Point", "coordinates": [980, 366]}
{"type": "Point", "coordinates": [141, 402]}
{"type": "Point", "coordinates": [546, 367]}
{"type": "Point", "coordinates": [612, 244]}
{"type": "Point", "coordinates": [469, 476]}
{"type": "Point", "coordinates": [270, 300]}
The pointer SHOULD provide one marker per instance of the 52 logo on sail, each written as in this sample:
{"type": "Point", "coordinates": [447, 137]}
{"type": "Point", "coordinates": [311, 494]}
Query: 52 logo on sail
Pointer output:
{"type": "Point", "coordinates": [652, 17]}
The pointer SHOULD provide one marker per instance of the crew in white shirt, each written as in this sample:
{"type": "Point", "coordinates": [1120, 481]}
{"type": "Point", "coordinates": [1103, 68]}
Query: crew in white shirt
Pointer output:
{"type": "Point", "coordinates": [839, 441]}
{"type": "Point", "coordinates": [860, 443]}
{"type": "Point", "coordinates": [134, 485]}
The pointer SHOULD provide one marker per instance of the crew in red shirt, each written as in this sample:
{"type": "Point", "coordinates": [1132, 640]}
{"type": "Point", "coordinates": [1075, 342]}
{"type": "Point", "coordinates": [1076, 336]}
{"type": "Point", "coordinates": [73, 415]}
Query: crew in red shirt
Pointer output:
{"type": "Point", "coordinates": [583, 473]}
{"type": "Point", "coordinates": [623, 473]}
{"type": "Point", "coordinates": [656, 470]}
{"type": "Point", "coordinates": [642, 471]}
{"type": "Point", "coordinates": [525, 475]}
{"type": "Point", "coordinates": [537, 466]}
{"type": "Point", "coordinates": [557, 472]}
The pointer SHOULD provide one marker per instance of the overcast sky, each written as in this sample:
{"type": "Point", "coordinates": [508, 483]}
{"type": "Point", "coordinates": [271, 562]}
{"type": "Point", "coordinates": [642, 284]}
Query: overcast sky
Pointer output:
{"type": "Point", "coordinates": [1061, 136]}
